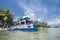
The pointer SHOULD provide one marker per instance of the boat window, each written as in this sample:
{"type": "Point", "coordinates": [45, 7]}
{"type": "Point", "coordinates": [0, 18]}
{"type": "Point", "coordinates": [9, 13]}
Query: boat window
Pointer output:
{"type": "Point", "coordinates": [28, 22]}
{"type": "Point", "coordinates": [22, 23]}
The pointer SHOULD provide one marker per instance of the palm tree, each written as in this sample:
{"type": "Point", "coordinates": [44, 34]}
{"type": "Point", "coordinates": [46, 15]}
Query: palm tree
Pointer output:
{"type": "Point", "coordinates": [7, 17]}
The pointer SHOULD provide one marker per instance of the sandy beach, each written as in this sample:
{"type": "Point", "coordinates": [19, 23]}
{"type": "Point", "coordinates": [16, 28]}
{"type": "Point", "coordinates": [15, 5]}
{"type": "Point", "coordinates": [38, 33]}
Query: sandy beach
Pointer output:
{"type": "Point", "coordinates": [2, 28]}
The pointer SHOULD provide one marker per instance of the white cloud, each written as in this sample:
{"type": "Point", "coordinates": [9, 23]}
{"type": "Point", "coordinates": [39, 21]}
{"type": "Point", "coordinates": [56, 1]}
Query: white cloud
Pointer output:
{"type": "Point", "coordinates": [34, 10]}
{"type": "Point", "coordinates": [30, 15]}
{"type": "Point", "coordinates": [38, 10]}
{"type": "Point", "coordinates": [39, 19]}
{"type": "Point", "coordinates": [54, 22]}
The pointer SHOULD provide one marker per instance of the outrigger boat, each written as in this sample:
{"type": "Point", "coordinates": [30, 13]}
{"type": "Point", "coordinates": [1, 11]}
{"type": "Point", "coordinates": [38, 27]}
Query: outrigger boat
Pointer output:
{"type": "Point", "coordinates": [25, 26]}
{"type": "Point", "coordinates": [29, 28]}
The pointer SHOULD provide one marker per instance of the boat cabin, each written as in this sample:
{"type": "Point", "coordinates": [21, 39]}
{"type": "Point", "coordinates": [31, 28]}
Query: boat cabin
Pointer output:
{"type": "Point", "coordinates": [25, 23]}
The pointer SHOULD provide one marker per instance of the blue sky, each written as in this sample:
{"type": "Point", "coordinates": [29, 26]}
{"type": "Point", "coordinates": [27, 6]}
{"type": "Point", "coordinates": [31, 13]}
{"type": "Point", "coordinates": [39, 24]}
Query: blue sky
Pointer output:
{"type": "Point", "coordinates": [41, 10]}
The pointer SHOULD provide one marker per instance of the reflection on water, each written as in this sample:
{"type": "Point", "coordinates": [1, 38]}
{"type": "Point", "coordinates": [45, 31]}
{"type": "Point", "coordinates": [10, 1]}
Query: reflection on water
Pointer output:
{"type": "Point", "coordinates": [42, 34]}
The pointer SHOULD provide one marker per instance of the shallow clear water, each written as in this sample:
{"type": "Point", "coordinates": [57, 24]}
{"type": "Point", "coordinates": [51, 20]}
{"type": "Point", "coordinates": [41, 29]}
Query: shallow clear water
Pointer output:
{"type": "Point", "coordinates": [42, 34]}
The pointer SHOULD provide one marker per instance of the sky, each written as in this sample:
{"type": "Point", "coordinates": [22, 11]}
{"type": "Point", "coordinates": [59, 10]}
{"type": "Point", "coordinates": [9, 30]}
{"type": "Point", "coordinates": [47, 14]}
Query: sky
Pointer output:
{"type": "Point", "coordinates": [41, 10]}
